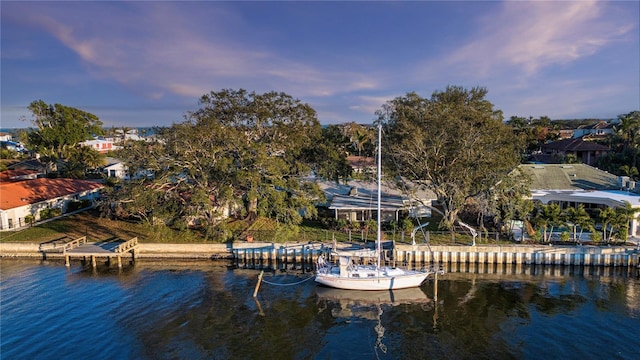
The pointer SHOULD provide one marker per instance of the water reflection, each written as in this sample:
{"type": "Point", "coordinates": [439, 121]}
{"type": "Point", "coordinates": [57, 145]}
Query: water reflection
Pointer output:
{"type": "Point", "coordinates": [206, 310]}
{"type": "Point", "coordinates": [370, 305]}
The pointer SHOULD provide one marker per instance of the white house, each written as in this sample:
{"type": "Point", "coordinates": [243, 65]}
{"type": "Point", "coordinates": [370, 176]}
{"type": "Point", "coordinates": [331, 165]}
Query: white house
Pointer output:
{"type": "Point", "coordinates": [19, 199]}
{"type": "Point", "coordinates": [570, 185]}
{"type": "Point", "coordinates": [5, 136]}
{"type": "Point", "coordinates": [115, 168]}
{"type": "Point", "coordinates": [101, 145]}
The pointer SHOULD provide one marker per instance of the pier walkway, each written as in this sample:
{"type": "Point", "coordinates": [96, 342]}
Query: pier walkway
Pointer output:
{"type": "Point", "coordinates": [80, 248]}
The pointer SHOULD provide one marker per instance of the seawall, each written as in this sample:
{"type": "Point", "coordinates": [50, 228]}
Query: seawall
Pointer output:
{"type": "Point", "coordinates": [615, 256]}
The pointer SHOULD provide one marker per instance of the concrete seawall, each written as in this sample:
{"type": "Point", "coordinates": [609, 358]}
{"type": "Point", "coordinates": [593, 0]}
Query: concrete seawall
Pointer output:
{"type": "Point", "coordinates": [627, 256]}
{"type": "Point", "coordinates": [150, 251]}
{"type": "Point", "coordinates": [616, 256]}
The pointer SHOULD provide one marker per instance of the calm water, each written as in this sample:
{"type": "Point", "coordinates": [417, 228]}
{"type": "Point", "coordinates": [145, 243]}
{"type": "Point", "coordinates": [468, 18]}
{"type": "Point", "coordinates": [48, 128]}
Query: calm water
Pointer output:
{"type": "Point", "coordinates": [207, 311]}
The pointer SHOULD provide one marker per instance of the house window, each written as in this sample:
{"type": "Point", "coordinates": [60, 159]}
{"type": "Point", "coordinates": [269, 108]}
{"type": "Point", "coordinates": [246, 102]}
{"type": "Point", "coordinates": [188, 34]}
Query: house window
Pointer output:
{"type": "Point", "coordinates": [10, 223]}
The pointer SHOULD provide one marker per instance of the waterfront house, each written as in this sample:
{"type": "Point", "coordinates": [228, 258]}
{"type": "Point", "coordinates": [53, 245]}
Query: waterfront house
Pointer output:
{"type": "Point", "coordinates": [357, 201]}
{"type": "Point", "coordinates": [37, 198]}
{"type": "Point", "coordinates": [570, 185]}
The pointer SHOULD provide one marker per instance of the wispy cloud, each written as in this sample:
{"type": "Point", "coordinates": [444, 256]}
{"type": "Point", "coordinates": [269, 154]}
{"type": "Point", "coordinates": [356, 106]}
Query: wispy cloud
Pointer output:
{"type": "Point", "coordinates": [527, 37]}
{"type": "Point", "coordinates": [189, 59]}
{"type": "Point", "coordinates": [538, 57]}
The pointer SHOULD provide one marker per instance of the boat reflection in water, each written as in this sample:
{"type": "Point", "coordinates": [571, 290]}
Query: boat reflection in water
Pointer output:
{"type": "Point", "coordinates": [369, 305]}
{"type": "Point", "coordinates": [350, 298]}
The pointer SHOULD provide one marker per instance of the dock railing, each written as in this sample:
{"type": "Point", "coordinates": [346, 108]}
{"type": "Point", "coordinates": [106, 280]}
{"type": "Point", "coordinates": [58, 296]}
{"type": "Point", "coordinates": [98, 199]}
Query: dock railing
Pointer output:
{"type": "Point", "coordinates": [127, 246]}
{"type": "Point", "coordinates": [63, 246]}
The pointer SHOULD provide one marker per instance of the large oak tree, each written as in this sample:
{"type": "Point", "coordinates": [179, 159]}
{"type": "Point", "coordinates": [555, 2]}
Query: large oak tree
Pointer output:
{"type": "Point", "coordinates": [454, 143]}
{"type": "Point", "coordinates": [240, 151]}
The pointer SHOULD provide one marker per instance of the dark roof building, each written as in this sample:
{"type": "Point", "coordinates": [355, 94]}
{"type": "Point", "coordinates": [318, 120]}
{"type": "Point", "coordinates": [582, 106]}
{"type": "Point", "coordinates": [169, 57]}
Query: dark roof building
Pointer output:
{"type": "Point", "coordinates": [584, 151]}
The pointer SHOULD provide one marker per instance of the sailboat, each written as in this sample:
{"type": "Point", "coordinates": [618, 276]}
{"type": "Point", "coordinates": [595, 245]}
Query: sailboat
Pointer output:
{"type": "Point", "coordinates": [351, 276]}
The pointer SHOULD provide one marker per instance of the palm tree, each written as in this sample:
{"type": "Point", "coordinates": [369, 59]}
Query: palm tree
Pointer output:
{"type": "Point", "coordinates": [125, 130]}
{"type": "Point", "coordinates": [625, 215]}
{"type": "Point", "coordinates": [578, 217]}
{"type": "Point", "coordinates": [629, 132]}
{"type": "Point", "coordinates": [547, 217]}
{"type": "Point", "coordinates": [631, 172]}
{"type": "Point", "coordinates": [607, 217]}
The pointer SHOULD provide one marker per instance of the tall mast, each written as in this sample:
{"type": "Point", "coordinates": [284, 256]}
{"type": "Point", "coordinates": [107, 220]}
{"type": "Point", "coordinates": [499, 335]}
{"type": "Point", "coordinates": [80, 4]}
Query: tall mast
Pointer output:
{"type": "Point", "coordinates": [378, 244]}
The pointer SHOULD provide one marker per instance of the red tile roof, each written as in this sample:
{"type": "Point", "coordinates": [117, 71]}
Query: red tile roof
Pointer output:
{"type": "Point", "coordinates": [20, 193]}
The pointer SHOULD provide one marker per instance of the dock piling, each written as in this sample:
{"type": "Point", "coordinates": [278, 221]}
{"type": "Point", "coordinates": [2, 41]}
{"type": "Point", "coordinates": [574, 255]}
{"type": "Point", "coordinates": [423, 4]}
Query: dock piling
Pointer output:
{"type": "Point", "coordinates": [255, 291]}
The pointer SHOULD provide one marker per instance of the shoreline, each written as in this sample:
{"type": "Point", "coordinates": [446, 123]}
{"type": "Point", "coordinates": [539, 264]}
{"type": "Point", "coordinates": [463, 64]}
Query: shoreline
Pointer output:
{"type": "Point", "coordinates": [617, 256]}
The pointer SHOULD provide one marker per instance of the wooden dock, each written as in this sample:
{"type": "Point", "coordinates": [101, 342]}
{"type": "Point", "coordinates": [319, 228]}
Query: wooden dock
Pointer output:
{"type": "Point", "coordinates": [80, 248]}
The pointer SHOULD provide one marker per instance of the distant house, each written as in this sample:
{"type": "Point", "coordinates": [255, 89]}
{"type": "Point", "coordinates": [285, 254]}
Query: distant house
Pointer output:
{"type": "Point", "coordinates": [116, 169]}
{"type": "Point", "coordinates": [31, 165]}
{"type": "Point", "coordinates": [584, 151]}
{"type": "Point", "coordinates": [101, 145]}
{"type": "Point", "coordinates": [19, 199]}
{"type": "Point", "coordinates": [599, 129]}
{"type": "Point", "coordinates": [5, 136]}
{"type": "Point", "coordinates": [362, 164]}
{"type": "Point", "coordinates": [565, 133]}
{"type": "Point", "coordinates": [18, 175]}
{"type": "Point", "coordinates": [12, 145]}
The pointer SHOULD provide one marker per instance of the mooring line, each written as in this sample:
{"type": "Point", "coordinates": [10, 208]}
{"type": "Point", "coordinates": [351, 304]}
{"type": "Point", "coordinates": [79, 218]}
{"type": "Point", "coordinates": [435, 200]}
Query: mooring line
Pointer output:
{"type": "Point", "coordinates": [295, 283]}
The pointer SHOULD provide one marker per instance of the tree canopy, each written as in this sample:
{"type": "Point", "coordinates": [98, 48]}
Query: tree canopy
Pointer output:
{"type": "Point", "coordinates": [454, 143]}
{"type": "Point", "coordinates": [243, 152]}
{"type": "Point", "coordinates": [60, 128]}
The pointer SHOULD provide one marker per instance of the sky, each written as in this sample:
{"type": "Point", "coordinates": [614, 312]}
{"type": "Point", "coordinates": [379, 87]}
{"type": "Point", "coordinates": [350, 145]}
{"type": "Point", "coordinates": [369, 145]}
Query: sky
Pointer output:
{"type": "Point", "coordinates": [147, 63]}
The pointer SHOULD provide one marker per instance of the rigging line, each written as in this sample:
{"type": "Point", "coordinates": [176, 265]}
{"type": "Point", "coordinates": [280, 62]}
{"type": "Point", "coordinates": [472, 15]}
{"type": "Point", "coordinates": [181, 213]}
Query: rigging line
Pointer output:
{"type": "Point", "coordinates": [290, 284]}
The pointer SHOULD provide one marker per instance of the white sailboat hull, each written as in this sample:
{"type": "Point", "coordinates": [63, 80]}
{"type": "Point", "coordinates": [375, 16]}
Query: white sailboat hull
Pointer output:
{"type": "Point", "coordinates": [370, 278]}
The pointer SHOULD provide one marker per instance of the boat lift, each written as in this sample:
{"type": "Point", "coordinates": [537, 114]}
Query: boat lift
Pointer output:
{"type": "Point", "coordinates": [413, 233]}
{"type": "Point", "coordinates": [473, 231]}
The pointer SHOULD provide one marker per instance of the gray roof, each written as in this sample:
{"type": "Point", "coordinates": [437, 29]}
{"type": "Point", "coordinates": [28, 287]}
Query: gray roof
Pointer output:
{"type": "Point", "coordinates": [569, 177]}
{"type": "Point", "coordinates": [366, 195]}
{"type": "Point", "coordinates": [366, 202]}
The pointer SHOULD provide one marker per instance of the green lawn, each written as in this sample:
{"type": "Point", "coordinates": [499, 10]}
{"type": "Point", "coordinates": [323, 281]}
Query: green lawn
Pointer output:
{"type": "Point", "coordinates": [89, 224]}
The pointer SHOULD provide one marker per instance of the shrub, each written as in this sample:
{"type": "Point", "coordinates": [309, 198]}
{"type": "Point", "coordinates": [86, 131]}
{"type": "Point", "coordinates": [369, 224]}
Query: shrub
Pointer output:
{"type": "Point", "coordinates": [50, 213]}
{"type": "Point", "coordinates": [407, 225]}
